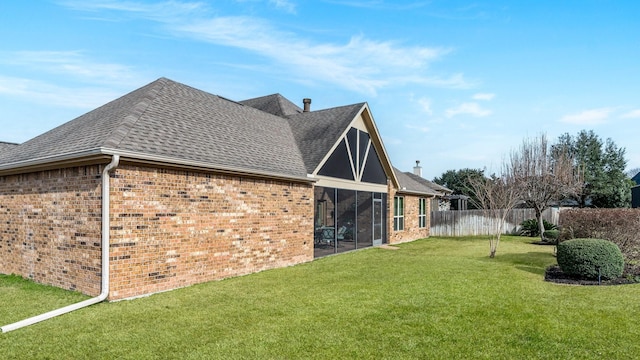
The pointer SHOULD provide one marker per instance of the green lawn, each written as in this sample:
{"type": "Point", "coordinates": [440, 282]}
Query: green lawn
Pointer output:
{"type": "Point", "coordinates": [439, 298]}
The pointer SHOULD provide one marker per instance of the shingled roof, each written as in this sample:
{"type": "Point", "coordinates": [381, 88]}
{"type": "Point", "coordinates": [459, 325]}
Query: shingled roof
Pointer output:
{"type": "Point", "coordinates": [6, 146]}
{"type": "Point", "coordinates": [177, 124]}
{"type": "Point", "coordinates": [410, 185]}
{"type": "Point", "coordinates": [317, 131]}
{"type": "Point", "coordinates": [275, 104]}
{"type": "Point", "coordinates": [438, 189]}
{"type": "Point", "coordinates": [173, 123]}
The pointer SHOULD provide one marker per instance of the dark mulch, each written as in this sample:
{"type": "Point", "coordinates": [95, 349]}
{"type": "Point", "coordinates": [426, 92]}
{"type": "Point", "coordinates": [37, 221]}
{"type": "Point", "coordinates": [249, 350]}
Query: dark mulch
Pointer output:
{"type": "Point", "coordinates": [554, 274]}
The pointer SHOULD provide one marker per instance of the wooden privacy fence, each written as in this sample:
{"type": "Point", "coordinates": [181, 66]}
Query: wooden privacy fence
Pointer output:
{"type": "Point", "coordinates": [476, 222]}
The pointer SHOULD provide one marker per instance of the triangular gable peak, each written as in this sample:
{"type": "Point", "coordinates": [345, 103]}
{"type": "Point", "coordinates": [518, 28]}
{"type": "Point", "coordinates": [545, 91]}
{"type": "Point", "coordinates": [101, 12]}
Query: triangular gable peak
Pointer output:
{"type": "Point", "coordinates": [358, 159]}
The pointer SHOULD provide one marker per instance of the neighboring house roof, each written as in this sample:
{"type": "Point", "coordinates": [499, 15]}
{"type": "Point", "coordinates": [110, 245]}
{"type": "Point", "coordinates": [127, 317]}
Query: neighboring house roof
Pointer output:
{"type": "Point", "coordinates": [636, 178]}
{"type": "Point", "coordinates": [6, 146]}
{"type": "Point", "coordinates": [438, 189]}
{"type": "Point", "coordinates": [409, 185]}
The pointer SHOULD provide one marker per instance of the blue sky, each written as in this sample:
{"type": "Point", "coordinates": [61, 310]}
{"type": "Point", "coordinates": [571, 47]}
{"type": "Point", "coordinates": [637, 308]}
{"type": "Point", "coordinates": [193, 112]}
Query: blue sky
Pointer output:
{"type": "Point", "coordinates": [454, 84]}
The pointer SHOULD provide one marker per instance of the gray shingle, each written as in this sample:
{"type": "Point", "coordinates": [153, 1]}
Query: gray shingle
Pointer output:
{"type": "Point", "coordinates": [173, 120]}
{"type": "Point", "coordinates": [4, 146]}
{"type": "Point", "coordinates": [410, 184]}
{"type": "Point", "coordinates": [275, 104]}
{"type": "Point", "coordinates": [438, 189]}
{"type": "Point", "coordinates": [180, 124]}
{"type": "Point", "coordinates": [87, 132]}
{"type": "Point", "coordinates": [316, 131]}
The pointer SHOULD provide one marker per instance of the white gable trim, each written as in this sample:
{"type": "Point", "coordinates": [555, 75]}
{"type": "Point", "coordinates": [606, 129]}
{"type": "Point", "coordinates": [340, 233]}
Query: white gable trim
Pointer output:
{"type": "Point", "coordinates": [332, 182]}
{"type": "Point", "coordinates": [362, 121]}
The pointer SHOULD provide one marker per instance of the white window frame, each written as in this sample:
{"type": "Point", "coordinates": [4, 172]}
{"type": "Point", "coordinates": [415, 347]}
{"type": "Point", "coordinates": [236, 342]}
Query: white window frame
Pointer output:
{"type": "Point", "coordinates": [422, 213]}
{"type": "Point", "coordinates": [398, 213]}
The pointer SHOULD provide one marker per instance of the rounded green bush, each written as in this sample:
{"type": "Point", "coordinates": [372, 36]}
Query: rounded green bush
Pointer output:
{"type": "Point", "coordinates": [552, 234]}
{"type": "Point", "coordinates": [585, 257]}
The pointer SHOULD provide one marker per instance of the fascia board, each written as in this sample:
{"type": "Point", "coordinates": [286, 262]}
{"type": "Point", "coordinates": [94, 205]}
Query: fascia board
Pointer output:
{"type": "Point", "coordinates": [94, 155]}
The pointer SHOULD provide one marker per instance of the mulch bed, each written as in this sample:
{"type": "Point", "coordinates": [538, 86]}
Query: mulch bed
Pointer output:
{"type": "Point", "coordinates": [554, 274]}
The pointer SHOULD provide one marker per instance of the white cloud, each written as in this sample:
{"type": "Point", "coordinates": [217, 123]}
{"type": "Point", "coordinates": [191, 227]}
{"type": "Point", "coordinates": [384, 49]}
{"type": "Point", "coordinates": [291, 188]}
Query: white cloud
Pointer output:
{"type": "Point", "coordinates": [633, 114]}
{"type": "Point", "coordinates": [356, 65]}
{"type": "Point", "coordinates": [470, 108]}
{"type": "Point", "coordinates": [588, 117]}
{"type": "Point", "coordinates": [423, 129]}
{"type": "Point", "coordinates": [88, 83]}
{"type": "Point", "coordinates": [161, 11]}
{"type": "Point", "coordinates": [483, 96]}
{"type": "Point", "coordinates": [285, 5]}
{"type": "Point", "coordinates": [425, 103]}
{"type": "Point", "coordinates": [73, 64]}
{"type": "Point", "coordinates": [360, 64]}
{"type": "Point", "coordinates": [82, 97]}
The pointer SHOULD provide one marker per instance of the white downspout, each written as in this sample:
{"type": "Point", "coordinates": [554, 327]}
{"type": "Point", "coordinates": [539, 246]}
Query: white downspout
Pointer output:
{"type": "Point", "coordinates": [105, 261]}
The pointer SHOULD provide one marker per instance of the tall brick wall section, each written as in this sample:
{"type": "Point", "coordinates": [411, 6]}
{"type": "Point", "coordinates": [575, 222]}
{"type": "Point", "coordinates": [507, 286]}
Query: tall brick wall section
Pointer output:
{"type": "Point", "coordinates": [169, 228]}
{"type": "Point", "coordinates": [412, 230]}
{"type": "Point", "coordinates": [172, 228]}
{"type": "Point", "coordinates": [50, 223]}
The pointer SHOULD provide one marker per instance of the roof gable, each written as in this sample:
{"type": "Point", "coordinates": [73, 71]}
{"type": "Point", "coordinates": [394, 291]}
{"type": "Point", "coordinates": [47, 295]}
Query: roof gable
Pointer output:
{"type": "Point", "coordinates": [319, 137]}
{"type": "Point", "coordinates": [316, 132]}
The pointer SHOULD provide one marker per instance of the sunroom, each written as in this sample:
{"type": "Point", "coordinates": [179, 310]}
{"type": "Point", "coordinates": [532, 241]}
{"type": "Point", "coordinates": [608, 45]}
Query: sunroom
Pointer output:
{"type": "Point", "coordinates": [351, 194]}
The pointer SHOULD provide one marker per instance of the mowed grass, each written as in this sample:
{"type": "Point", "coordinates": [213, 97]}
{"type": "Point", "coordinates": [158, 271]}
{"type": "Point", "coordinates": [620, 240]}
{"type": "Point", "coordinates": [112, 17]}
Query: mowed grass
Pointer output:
{"type": "Point", "coordinates": [438, 298]}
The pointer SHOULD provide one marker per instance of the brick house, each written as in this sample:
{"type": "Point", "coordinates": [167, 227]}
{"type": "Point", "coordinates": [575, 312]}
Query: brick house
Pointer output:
{"type": "Point", "coordinates": [170, 186]}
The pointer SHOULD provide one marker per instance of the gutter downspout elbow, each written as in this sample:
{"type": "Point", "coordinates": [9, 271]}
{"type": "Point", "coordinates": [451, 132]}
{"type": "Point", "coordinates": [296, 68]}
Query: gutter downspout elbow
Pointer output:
{"type": "Point", "coordinates": [104, 293]}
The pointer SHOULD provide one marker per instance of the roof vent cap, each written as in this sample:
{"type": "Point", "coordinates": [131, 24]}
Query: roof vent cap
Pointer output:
{"type": "Point", "coordinates": [307, 104]}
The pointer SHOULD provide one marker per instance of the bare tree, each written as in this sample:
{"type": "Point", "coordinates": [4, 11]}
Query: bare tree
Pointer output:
{"type": "Point", "coordinates": [633, 172]}
{"type": "Point", "coordinates": [536, 174]}
{"type": "Point", "coordinates": [496, 196]}
{"type": "Point", "coordinates": [542, 176]}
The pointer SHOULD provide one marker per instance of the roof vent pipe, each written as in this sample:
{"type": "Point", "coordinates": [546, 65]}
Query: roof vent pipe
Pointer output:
{"type": "Point", "coordinates": [307, 104]}
{"type": "Point", "coordinates": [417, 170]}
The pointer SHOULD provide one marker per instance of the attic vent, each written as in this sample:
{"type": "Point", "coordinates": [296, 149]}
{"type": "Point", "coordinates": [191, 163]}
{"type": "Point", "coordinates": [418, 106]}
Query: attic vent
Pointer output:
{"type": "Point", "coordinates": [307, 104]}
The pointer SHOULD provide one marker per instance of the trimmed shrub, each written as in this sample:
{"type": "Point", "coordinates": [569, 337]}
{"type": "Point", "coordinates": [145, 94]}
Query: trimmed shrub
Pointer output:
{"type": "Point", "coordinates": [584, 258]}
{"type": "Point", "coordinates": [529, 227]}
{"type": "Point", "coordinates": [620, 226]}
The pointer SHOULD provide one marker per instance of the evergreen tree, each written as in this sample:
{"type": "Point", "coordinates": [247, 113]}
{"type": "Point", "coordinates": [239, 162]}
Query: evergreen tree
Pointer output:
{"type": "Point", "coordinates": [602, 166]}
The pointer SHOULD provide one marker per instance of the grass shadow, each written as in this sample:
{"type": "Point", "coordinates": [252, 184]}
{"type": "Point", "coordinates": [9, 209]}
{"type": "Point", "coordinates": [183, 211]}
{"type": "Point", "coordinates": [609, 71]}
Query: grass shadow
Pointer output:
{"type": "Point", "coordinates": [534, 261]}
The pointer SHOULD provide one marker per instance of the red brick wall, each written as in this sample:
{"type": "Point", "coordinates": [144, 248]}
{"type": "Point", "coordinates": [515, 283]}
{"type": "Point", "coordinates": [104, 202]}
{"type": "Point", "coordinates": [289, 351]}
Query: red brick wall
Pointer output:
{"type": "Point", "coordinates": [50, 227]}
{"type": "Point", "coordinates": [171, 229]}
{"type": "Point", "coordinates": [411, 231]}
